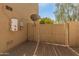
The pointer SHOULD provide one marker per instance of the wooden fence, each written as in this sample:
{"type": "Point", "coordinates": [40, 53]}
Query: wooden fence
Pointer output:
{"type": "Point", "coordinates": [65, 34]}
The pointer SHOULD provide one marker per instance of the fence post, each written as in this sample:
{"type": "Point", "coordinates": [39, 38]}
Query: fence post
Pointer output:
{"type": "Point", "coordinates": [36, 36]}
{"type": "Point", "coordinates": [67, 34]}
{"type": "Point", "coordinates": [36, 31]}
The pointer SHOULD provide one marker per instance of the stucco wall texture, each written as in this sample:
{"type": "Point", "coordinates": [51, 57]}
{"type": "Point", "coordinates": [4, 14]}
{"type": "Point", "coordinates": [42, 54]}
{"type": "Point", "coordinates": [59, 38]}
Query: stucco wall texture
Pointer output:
{"type": "Point", "coordinates": [8, 38]}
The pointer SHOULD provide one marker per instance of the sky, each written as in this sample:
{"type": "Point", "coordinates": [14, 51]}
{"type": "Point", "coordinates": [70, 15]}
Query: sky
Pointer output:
{"type": "Point", "coordinates": [47, 10]}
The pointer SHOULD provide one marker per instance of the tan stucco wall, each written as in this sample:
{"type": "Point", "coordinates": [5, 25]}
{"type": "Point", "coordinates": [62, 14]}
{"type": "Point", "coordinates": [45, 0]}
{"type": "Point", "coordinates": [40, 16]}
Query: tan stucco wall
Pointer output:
{"type": "Point", "coordinates": [22, 12]}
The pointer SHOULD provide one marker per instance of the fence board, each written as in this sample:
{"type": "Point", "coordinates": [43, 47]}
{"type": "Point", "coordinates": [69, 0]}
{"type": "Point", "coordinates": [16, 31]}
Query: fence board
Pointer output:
{"type": "Point", "coordinates": [53, 33]}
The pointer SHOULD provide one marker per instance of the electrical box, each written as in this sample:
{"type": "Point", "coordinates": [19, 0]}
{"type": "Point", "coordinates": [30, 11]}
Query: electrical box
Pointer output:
{"type": "Point", "coordinates": [14, 24]}
{"type": "Point", "coordinates": [21, 25]}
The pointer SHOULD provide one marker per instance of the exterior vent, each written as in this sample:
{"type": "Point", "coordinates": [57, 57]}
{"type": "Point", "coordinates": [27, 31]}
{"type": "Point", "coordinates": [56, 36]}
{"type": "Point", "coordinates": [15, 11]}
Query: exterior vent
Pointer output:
{"type": "Point", "coordinates": [9, 8]}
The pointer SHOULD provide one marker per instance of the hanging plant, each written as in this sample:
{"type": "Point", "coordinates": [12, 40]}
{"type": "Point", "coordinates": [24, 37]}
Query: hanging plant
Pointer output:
{"type": "Point", "coordinates": [34, 17]}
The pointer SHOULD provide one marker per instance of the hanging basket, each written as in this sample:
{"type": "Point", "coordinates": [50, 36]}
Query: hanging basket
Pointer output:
{"type": "Point", "coordinates": [34, 17]}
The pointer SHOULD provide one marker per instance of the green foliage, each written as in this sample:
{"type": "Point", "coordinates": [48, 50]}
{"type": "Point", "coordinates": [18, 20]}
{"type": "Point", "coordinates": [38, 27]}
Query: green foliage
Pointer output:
{"type": "Point", "coordinates": [46, 21]}
{"type": "Point", "coordinates": [67, 12]}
